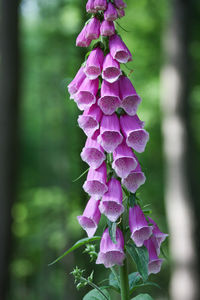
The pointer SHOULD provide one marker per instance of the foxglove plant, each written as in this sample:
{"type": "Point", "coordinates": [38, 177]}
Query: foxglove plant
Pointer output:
{"type": "Point", "coordinates": [114, 133]}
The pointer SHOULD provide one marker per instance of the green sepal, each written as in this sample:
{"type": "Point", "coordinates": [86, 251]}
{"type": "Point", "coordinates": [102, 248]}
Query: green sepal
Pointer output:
{"type": "Point", "coordinates": [112, 227]}
{"type": "Point", "coordinates": [131, 200]}
{"type": "Point", "coordinates": [141, 258]}
{"type": "Point", "coordinates": [76, 246]}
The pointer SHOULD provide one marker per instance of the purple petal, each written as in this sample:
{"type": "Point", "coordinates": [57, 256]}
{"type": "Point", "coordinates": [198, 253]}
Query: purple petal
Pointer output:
{"type": "Point", "coordinates": [86, 96]}
{"type": "Point", "coordinates": [93, 154]}
{"type": "Point", "coordinates": [109, 100]}
{"type": "Point", "coordinates": [111, 69]}
{"type": "Point", "coordinates": [118, 49]}
{"type": "Point", "coordinates": [94, 64]}
{"type": "Point", "coordinates": [107, 28]}
{"type": "Point", "coordinates": [89, 120]}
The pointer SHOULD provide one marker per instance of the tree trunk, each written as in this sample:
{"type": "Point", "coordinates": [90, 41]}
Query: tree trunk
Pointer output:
{"type": "Point", "coordinates": [175, 125]}
{"type": "Point", "coordinates": [8, 128]}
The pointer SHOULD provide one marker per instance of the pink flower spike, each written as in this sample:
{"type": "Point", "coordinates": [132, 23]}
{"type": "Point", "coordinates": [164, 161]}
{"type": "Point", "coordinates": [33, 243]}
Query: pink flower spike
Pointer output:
{"type": "Point", "coordinates": [95, 184]}
{"type": "Point", "coordinates": [134, 180]}
{"type": "Point", "coordinates": [100, 4]}
{"type": "Point", "coordinates": [155, 263]}
{"type": "Point", "coordinates": [140, 231]}
{"type": "Point", "coordinates": [94, 63]}
{"type": "Point", "coordinates": [129, 97]}
{"type": "Point", "coordinates": [111, 254]}
{"type": "Point", "coordinates": [86, 95]}
{"type": "Point", "coordinates": [110, 136]}
{"type": "Point", "coordinates": [159, 235]}
{"type": "Point", "coordinates": [90, 7]}
{"type": "Point", "coordinates": [136, 136]}
{"type": "Point", "coordinates": [89, 120]}
{"type": "Point", "coordinates": [82, 40]}
{"type": "Point", "coordinates": [93, 153]}
{"type": "Point", "coordinates": [107, 28]}
{"type": "Point", "coordinates": [76, 82]}
{"type": "Point", "coordinates": [90, 217]}
{"type": "Point", "coordinates": [109, 100]}
{"type": "Point", "coordinates": [111, 204]}
{"type": "Point", "coordinates": [120, 4]}
{"type": "Point", "coordinates": [111, 69]}
{"type": "Point", "coordinates": [93, 29]}
{"type": "Point", "coordinates": [118, 49]}
{"type": "Point", "coordinates": [110, 13]}
{"type": "Point", "coordinates": [120, 13]}
{"type": "Point", "coordinates": [123, 160]}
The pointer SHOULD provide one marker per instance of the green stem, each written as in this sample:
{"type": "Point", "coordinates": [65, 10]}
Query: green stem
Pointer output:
{"type": "Point", "coordinates": [95, 287]}
{"type": "Point", "coordinates": [124, 281]}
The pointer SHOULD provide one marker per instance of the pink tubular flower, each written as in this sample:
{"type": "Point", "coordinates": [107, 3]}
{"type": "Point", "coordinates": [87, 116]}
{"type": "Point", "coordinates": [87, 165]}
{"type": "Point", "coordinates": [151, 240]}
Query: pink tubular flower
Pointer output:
{"type": "Point", "coordinates": [140, 231]}
{"type": "Point", "coordinates": [118, 49]}
{"type": "Point", "coordinates": [110, 13]}
{"type": "Point", "coordinates": [123, 160]}
{"type": "Point", "coordinates": [82, 40]}
{"type": "Point", "coordinates": [86, 95]}
{"type": "Point", "coordinates": [90, 217]}
{"type": "Point", "coordinates": [129, 97]}
{"type": "Point", "coordinates": [159, 235]}
{"type": "Point", "coordinates": [111, 69]}
{"type": "Point", "coordinates": [120, 13]}
{"type": "Point", "coordinates": [76, 82]}
{"type": "Point", "coordinates": [100, 4]}
{"type": "Point", "coordinates": [110, 253]}
{"type": "Point", "coordinates": [155, 263]}
{"type": "Point", "coordinates": [94, 63]}
{"type": "Point", "coordinates": [134, 180]}
{"type": "Point", "coordinates": [95, 184]}
{"type": "Point", "coordinates": [90, 7]}
{"type": "Point", "coordinates": [136, 136]}
{"type": "Point", "coordinates": [93, 29]}
{"type": "Point", "coordinates": [93, 153]}
{"type": "Point", "coordinates": [89, 120]}
{"type": "Point", "coordinates": [111, 204]}
{"type": "Point", "coordinates": [109, 100]}
{"type": "Point", "coordinates": [120, 4]}
{"type": "Point", "coordinates": [110, 136]}
{"type": "Point", "coordinates": [107, 28]}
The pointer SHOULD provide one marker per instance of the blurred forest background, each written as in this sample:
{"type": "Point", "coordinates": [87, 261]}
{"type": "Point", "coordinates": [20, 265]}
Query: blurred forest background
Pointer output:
{"type": "Point", "coordinates": [41, 141]}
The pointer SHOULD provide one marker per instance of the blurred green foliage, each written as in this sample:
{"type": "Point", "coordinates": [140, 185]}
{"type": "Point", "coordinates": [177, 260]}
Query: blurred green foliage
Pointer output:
{"type": "Point", "coordinates": [48, 201]}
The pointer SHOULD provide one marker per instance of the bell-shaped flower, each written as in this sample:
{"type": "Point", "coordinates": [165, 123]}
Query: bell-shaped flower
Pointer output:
{"type": "Point", "coordinates": [135, 179]}
{"type": "Point", "coordinates": [93, 29]}
{"type": "Point", "coordinates": [110, 253]}
{"type": "Point", "coordinates": [89, 120]}
{"type": "Point", "coordinates": [76, 82]}
{"type": "Point", "coordinates": [140, 231]}
{"type": "Point", "coordinates": [90, 218]}
{"type": "Point", "coordinates": [107, 28]}
{"type": "Point", "coordinates": [94, 63]}
{"type": "Point", "coordinates": [118, 49]}
{"type": "Point", "coordinates": [100, 4]}
{"type": "Point", "coordinates": [111, 69]}
{"type": "Point", "coordinates": [136, 136]}
{"type": "Point", "coordinates": [86, 95]}
{"type": "Point", "coordinates": [111, 13]}
{"type": "Point", "coordinates": [123, 160]}
{"type": "Point", "coordinates": [120, 13]}
{"type": "Point", "coordinates": [120, 4]}
{"type": "Point", "coordinates": [95, 184]}
{"type": "Point", "coordinates": [155, 262]}
{"type": "Point", "coordinates": [159, 235]}
{"type": "Point", "coordinates": [110, 136]}
{"type": "Point", "coordinates": [93, 153]}
{"type": "Point", "coordinates": [111, 204]}
{"type": "Point", "coordinates": [90, 7]}
{"type": "Point", "coordinates": [129, 98]}
{"type": "Point", "coordinates": [82, 40]}
{"type": "Point", "coordinates": [109, 100]}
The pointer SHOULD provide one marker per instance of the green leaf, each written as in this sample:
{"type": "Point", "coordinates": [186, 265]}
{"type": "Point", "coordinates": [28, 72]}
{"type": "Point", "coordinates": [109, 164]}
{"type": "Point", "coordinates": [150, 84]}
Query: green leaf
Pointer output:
{"type": "Point", "coordinates": [96, 295]}
{"type": "Point", "coordinates": [133, 279]}
{"type": "Point", "coordinates": [114, 282]}
{"type": "Point", "coordinates": [148, 283]}
{"type": "Point", "coordinates": [141, 257]}
{"type": "Point", "coordinates": [142, 297]}
{"type": "Point", "coordinates": [112, 230]}
{"type": "Point", "coordinates": [75, 246]}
